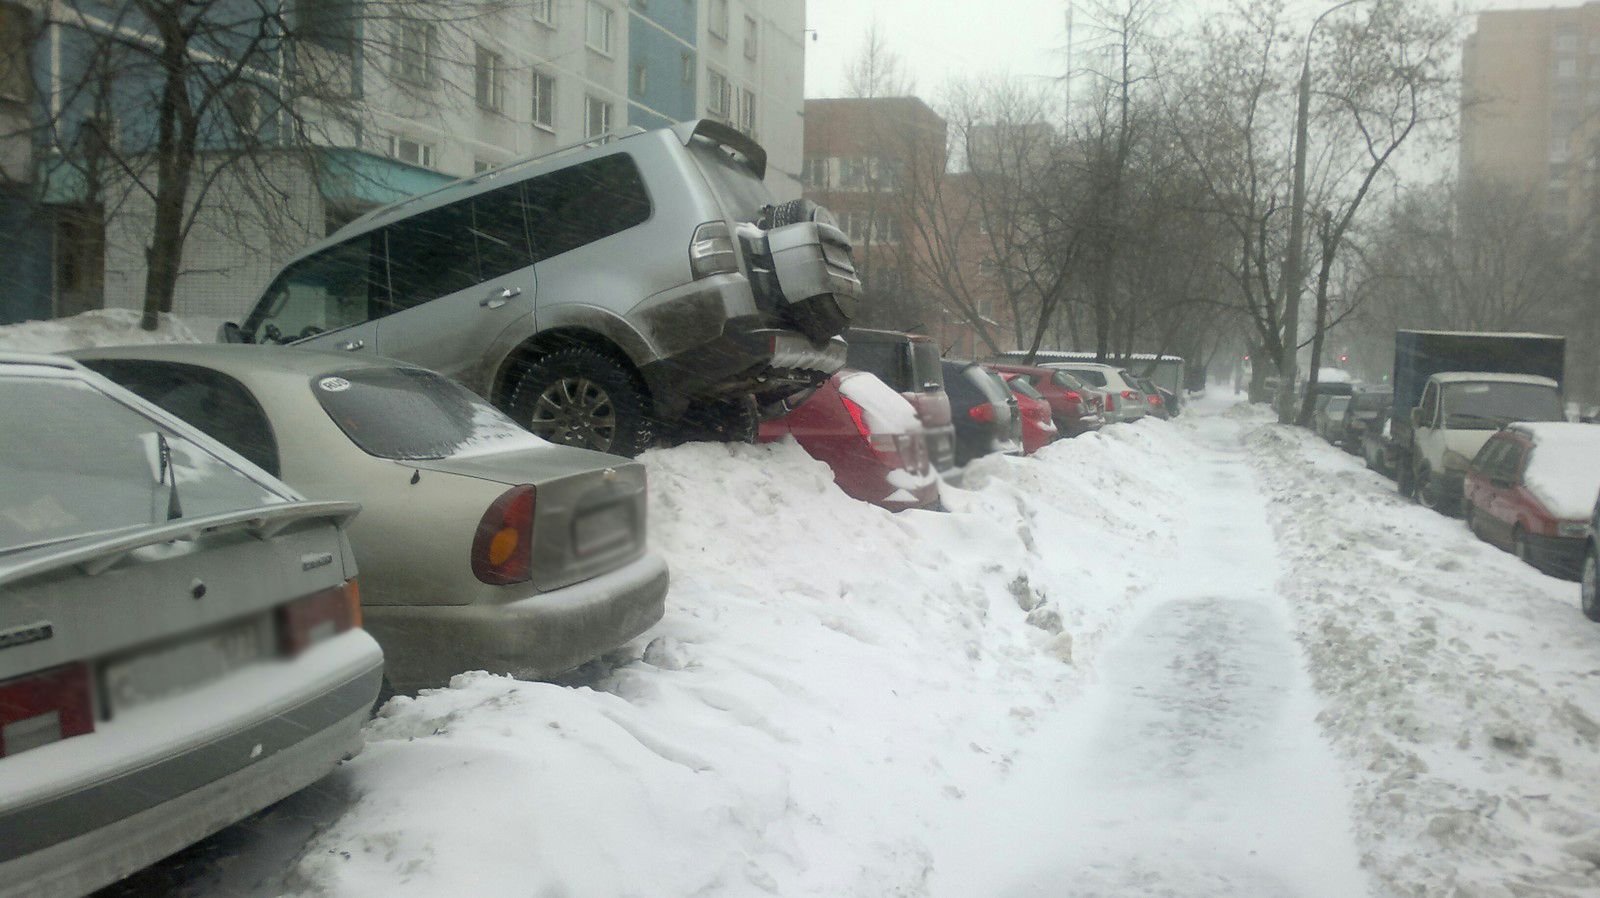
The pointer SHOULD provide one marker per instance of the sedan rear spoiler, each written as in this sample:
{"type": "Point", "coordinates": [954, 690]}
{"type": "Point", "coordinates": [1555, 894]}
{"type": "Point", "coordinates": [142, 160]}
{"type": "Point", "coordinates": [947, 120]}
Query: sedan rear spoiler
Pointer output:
{"type": "Point", "coordinates": [94, 555]}
{"type": "Point", "coordinates": [755, 158]}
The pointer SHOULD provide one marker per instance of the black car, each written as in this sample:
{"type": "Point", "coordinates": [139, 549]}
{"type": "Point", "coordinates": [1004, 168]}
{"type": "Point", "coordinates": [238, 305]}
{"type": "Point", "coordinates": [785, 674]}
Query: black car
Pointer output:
{"type": "Point", "coordinates": [1368, 409]}
{"type": "Point", "coordinates": [983, 410]}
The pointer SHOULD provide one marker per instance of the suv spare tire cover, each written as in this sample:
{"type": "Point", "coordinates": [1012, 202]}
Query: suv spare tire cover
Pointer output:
{"type": "Point", "coordinates": [824, 315]}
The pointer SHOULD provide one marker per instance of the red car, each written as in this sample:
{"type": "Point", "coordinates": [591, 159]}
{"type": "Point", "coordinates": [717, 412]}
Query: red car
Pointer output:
{"type": "Point", "coordinates": [1038, 428]}
{"type": "Point", "coordinates": [869, 435]}
{"type": "Point", "coordinates": [1074, 407]}
{"type": "Point", "coordinates": [1531, 488]}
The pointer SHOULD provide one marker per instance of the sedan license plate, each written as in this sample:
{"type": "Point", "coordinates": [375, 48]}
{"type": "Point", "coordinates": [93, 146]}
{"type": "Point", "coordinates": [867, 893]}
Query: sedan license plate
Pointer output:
{"type": "Point", "coordinates": [602, 530]}
{"type": "Point", "coordinates": [169, 670]}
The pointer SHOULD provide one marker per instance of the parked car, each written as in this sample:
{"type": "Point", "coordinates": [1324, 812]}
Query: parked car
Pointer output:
{"type": "Point", "coordinates": [909, 364]}
{"type": "Point", "coordinates": [868, 435]}
{"type": "Point", "coordinates": [1155, 402]}
{"type": "Point", "coordinates": [590, 293]}
{"type": "Point", "coordinates": [180, 632]}
{"type": "Point", "coordinates": [1457, 414]}
{"type": "Point", "coordinates": [1328, 421]}
{"type": "Point", "coordinates": [1124, 401]}
{"type": "Point", "coordinates": [1589, 579]}
{"type": "Point", "coordinates": [1074, 406]}
{"type": "Point", "coordinates": [1531, 489]}
{"type": "Point", "coordinates": [530, 558]}
{"type": "Point", "coordinates": [1367, 409]}
{"type": "Point", "coordinates": [984, 410]}
{"type": "Point", "coordinates": [1379, 449]}
{"type": "Point", "coordinates": [1038, 430]}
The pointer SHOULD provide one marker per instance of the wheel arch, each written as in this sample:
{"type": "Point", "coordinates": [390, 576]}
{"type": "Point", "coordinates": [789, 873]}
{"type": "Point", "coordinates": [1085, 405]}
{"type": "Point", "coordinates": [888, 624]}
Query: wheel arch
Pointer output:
{"type": "Point", "coordinates": [613, 340]}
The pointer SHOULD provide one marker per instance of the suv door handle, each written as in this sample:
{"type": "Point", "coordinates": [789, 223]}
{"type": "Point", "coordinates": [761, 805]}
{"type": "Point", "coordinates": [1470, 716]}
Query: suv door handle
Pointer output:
{"type": "Point", "coordinates": [352, 345]}
{"type": "Point", "coordinates": [500, 297]}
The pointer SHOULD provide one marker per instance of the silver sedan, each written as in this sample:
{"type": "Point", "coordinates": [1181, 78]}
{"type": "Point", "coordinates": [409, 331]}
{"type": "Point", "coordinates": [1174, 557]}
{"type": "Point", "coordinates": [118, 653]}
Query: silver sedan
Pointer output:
{"type": "Point", "coordinates": [481, 546]}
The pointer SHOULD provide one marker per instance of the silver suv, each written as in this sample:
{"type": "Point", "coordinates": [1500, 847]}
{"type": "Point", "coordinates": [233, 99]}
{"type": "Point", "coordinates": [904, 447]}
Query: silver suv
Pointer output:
{"type": "Point", "coordinates": [592, 293]}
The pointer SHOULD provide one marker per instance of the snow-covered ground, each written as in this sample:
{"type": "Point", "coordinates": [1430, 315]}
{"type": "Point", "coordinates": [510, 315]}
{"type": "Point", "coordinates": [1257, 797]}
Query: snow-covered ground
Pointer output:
{"type": "Point", "coordinates": [1211, 657]}
{"type": "Point", "coordinates": [102, 327]}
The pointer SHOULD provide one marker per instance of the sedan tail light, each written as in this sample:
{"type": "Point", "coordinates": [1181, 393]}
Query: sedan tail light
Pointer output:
{"type": "Point", "coordinates": [45, 707]}
{"type": "Point", "coordinates": [307, 621]}
{"type": "Point", "coordinates": [502, 550]}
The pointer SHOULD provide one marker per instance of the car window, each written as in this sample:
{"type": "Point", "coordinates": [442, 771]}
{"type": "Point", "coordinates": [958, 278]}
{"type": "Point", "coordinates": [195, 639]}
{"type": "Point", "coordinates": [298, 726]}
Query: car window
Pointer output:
{"type": "Point", "coordinates": [342, 286]}
{"type": "Point", "coordinates": [1337, 405]}
{"type": "Point", "coordinates": [739, 192]}
{"type": "Point", "coordinates": [988, 383]}
{"type": "Point", "coordinates": [928, 373]}
{"type": "Point", "coordinates": [1487, 457]}
{"type": "Point", "coordinates": [208, 399]}
{"type": "Point", "coordinates": [1486, 405]}
{"type": "Point", "coordinates": [1430, 405]}
{"type": "Point", "coordinates": [410, 413]}
{"type": "Point", "coordinates": [1063, 379]}
{"type": "Point", "coordinates": [583, 203]}
{"type": "Point", "coordinates": [1022, 386]}
{"type": "Point", "coordinates": [456, 247]}
{"type": "Point", "coordinates": [1089, 375]}
{"type": "Point", "coordinates": [887, 361]}
{"type": "Point", "coordinates": [75, 461]}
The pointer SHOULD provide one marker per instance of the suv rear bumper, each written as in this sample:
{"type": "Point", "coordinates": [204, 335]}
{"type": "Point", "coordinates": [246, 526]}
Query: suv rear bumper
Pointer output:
{"type": "Point", "coordinates": [539, 636]}
{"type": "Point", "coordinates": [747, 357]}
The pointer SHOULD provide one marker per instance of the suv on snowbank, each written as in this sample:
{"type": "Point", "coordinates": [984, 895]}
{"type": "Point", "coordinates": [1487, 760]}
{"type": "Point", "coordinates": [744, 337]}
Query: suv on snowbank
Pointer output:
{"type": "Point", "coordinates": [591, 292]}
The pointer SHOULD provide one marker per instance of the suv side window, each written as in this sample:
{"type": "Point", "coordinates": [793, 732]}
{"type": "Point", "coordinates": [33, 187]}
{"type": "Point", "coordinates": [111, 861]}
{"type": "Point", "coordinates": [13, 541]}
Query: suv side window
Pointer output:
{"type": "Point", "coordinates": [456, 247]}
{"type": "Point", "coordinates": [578, 205]}
{"type": "Point", "coordinates": [343, 286]}
{"type": "Point", "coordinates": [209, 400]}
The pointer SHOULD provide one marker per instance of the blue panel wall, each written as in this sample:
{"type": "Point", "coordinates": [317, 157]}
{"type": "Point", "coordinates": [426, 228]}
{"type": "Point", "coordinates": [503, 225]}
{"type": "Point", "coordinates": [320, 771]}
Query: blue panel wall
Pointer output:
{"type": "Point", "coordinates": [25, 231]}
{"type": "Point", "coordinates": [660, 33]}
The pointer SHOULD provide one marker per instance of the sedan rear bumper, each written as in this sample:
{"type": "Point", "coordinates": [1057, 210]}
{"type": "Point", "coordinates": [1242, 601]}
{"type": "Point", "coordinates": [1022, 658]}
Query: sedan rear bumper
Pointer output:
{"type": "Point", "coordinates": [80, 840]}
{"type": "Point", "coordinates": [540, 636]}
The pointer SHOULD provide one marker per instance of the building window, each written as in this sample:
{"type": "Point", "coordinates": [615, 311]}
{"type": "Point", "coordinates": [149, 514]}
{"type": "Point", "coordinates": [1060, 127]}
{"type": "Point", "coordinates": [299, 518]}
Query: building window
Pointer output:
{"type": "Point", "coordinates": [596, 117]}
{"type": "Point", "coordinates": [489, 79]}
{"type": "Point", "coordinates": [416, 47]}
{"type": "Point", "coordinates": [597, 27]}
{"type": "Point", "coordinates": [641, 79]}
{"type": "Point", "coordinates": [747, 112]}
{"type": "Point", "coordinates": [719, 94]}
{"type": "Point", "coordinates": [544, 11]}
{"type": "Point", "coordinates": [814, 172]}
{"type": "Point", "coordinates": [544, 100]}
{"type": "Point", "coordinates": [717, 22]}
{"type": "Point", "coordinates": [412, 151]}
{"type": "Point", "coordinates": [688, 67]}
{"type": "Point", "coordinates": [749, 38]}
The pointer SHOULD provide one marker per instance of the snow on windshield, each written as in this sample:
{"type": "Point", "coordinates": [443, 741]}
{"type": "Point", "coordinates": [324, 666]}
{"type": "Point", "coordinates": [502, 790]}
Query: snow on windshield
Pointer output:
{"type": "Point", "coordinates": [1564, 468]}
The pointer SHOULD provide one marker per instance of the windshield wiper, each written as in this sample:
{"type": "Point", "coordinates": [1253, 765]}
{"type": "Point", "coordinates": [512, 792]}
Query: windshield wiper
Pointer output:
{"type": "Point", "coordinates": [167, 472]}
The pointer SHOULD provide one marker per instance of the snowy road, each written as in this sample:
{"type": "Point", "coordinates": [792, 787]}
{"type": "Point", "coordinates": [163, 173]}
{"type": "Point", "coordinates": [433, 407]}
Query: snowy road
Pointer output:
{"type": "Point", "coordinates": [1194, 766]}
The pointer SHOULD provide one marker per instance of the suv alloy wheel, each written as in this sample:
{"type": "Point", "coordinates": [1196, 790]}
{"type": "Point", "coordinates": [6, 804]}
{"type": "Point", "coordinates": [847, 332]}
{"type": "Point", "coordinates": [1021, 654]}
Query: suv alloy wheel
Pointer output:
{"type": "Point", "coordinates": [583, 397]}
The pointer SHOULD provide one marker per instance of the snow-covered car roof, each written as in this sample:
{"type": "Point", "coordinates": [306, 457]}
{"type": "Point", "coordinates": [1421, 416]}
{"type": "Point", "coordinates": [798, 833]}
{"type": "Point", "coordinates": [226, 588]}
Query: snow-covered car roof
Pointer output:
{"type": "Point", "coordinates": [1456, 377]}
{"type": "Point", "coordinates": [1562, 472]}
{"type": "Point", "coordinates": [1482, 334]}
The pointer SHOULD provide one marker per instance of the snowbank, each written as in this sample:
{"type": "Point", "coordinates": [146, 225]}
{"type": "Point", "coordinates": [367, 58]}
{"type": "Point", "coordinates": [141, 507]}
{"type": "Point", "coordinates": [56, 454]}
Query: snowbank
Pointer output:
{"type": "Point", "coordinates": [102, 327]}
{"type": "Point", "coordinates": [828, 684]}
{"type": "Point", "coordinates": [1459, 684]}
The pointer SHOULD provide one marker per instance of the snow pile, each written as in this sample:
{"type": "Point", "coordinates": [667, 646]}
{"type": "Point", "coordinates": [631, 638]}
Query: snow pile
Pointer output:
{"type": "Point", "coordinates": [1459, 685]}
{"type": "Point", "coordinates": [885, 410]}
{"type": "Point", "coordinates": [1564, 467]}
{"type": "Point", "coordinates": [101, 327]}
{"type": "Point", "coordinates": [829, 684]}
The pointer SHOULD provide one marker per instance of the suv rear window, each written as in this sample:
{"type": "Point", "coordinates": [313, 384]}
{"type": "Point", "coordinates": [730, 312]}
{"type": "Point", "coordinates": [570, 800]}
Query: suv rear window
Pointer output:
{"type": "Point", "coordinates": [409, 413]}
{"type": "Point", "coordinates": [583, 203]}
{"type": "Point", "coordinates": [928, 373]}
{"type": "Point", "coordinates": [740, 193]}
{"type": "Point", "coordinates": [1090, 376]}
{"type": "Point", "coordinates": [887, 360]}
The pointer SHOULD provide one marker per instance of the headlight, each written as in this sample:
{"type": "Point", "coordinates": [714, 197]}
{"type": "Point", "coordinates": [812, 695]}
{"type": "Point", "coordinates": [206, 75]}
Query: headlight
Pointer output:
{"type": "Point", "coordinates": [1572, 529]}
{"type": "Point", "coordinates": [1455, 461]}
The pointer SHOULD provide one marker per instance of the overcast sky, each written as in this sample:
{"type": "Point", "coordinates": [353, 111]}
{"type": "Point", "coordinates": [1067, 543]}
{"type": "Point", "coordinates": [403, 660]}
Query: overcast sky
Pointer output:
{"type": "Point", "coordinates": [940, 38]}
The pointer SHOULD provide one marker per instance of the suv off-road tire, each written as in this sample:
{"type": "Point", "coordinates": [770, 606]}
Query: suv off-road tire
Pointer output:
{"type": "Point", "coordinates": [722, 420]}
{"type": "Point", "coordinates": [581, 396]}
{"type": "Point", "coordinates": [795, 211]}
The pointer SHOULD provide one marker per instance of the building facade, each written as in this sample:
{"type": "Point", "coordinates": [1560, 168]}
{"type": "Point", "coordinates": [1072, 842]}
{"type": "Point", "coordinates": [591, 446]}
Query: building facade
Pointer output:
{"type": "Point", "coordinates": [420, 100]}
{"type": "Point", "coordinates": [1530, 116]}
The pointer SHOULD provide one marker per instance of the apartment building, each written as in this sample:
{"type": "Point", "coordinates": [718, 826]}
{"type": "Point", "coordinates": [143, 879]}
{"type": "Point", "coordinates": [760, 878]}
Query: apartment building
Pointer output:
{"type": "Point", "coordinates": [1531, 107]}
{"type": "Point", "coordinates": [445, 93]}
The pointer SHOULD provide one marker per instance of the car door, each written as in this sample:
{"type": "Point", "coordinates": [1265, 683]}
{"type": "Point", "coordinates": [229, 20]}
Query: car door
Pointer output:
{"type": "Point", "coordinates": [1505, 487]}
{"type": "Point", "coordinates": [459, 274]}
{"type": "Point", "coordinates": [1478, 489]}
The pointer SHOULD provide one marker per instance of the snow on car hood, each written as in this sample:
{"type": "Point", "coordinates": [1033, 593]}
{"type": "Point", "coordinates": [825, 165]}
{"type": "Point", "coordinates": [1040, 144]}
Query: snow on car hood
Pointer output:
{"type": "Point", "coordinates": [1564, 467]}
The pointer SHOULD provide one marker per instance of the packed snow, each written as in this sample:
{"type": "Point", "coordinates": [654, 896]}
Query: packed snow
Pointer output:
{"type": "Point", "coordinates": [101, 327]}
{"type": "Point", "coordinates": [1564, 467]}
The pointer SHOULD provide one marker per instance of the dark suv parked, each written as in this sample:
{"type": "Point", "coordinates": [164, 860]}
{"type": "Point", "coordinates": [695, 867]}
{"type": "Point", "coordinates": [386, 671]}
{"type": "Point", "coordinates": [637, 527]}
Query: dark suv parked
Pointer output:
{"type": "Point", "coordinates": [909, 364]}
{"type": "Point", "coordinates": [592, 292]}
{"type": "Point", "coordinates": [984, 411]}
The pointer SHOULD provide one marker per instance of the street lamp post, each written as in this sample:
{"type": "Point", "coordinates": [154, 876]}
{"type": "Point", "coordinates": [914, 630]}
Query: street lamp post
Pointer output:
{"type": "Point", "coordinates": [1289, 365]}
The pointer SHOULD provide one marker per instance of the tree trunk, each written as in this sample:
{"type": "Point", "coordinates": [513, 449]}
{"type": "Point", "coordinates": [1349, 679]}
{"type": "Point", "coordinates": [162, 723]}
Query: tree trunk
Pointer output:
{"type": "Point", "coordinates": [175, 156]}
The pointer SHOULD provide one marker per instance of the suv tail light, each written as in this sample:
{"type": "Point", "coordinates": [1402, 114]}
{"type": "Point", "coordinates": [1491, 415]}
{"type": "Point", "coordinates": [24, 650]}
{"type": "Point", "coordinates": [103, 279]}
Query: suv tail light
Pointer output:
{"type": "Point", "coordinates": [502, 550]}
{"type": "Point", "coordinates": [711, 251]}
{"type": "Point", "coordinates": [1074, 396]}
{"type": "Point", "coordinates": [894, 450]}
{"type": "Point", "coordinates": [307, 621]}
{"type": "Point", "coordinates": [1129, 395]}
{"type": "Point", "coordinates": [45, 707]}
{"type": "Point", "coordinates": [1153, 399]}
{"type": "Point", "coordinates": [983, 413]}
{"type": "Point", "coordinates": [1111, 402]}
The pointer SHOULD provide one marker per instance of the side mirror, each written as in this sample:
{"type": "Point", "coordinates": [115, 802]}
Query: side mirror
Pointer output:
{"type": "Point", "coordinates": [229, 332]}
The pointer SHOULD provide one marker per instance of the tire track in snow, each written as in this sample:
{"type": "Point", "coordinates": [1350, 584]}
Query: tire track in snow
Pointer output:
{"type": "Point", "coordinates": [1194, 767]}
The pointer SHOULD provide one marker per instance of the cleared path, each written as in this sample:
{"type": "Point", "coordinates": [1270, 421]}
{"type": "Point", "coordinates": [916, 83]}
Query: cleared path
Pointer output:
{"type": "Point", "coordinates": [1193, 767]}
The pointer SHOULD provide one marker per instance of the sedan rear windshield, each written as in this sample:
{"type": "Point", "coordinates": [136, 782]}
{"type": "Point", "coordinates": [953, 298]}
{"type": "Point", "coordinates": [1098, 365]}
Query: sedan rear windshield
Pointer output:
{"type": "Point", "coordinates": [409, 413]}
{"type": "Point", "coordinates": [75, 462]}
